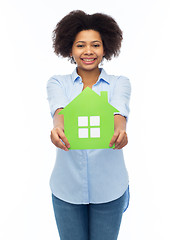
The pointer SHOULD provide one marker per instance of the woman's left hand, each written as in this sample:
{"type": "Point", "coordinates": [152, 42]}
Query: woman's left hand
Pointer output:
{"type": "Point", "coordinates": [120, 136]}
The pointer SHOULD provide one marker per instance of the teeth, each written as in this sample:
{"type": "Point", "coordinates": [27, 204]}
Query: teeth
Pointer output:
{"type": "Point", "coordinates": [88, 60]}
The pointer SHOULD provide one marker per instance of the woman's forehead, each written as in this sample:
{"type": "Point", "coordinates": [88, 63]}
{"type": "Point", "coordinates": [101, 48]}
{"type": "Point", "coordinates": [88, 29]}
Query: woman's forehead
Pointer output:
{"type": "Point", "coordinates": [88, 36]}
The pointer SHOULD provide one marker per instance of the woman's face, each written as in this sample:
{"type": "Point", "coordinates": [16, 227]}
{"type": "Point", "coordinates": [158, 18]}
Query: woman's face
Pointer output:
{"type": "Point", "coordinates": [87, 49]}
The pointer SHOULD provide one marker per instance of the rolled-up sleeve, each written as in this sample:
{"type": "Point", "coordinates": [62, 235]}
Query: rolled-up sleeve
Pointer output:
{"type": "Point", "coordinates": [121, 96]}
{"type": "Point", "coordinates": [56, 95]}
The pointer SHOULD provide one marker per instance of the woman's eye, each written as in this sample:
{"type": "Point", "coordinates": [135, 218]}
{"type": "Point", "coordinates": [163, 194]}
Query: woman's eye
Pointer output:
{"type": "Point", "coordinates": [96, 45]}
{"type": "Point", "coordinates": [80, 46]}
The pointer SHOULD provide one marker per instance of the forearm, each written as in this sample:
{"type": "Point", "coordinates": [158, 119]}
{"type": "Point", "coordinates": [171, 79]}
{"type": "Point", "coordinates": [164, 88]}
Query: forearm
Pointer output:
{"type": "Point", "coordinates": [119, 122]}
{"type": "Point", "coordinates": [58, 120]}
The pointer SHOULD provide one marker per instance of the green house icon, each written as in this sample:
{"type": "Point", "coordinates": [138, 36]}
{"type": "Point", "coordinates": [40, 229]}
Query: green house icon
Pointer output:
{"type": "Point", "coordinates": [89, 120]}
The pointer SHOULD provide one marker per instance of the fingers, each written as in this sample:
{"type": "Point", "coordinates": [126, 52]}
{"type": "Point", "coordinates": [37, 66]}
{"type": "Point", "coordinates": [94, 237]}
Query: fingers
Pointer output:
{"type": "Point", "coordinates": [64, 139]}
{"type": "Point", "coordinates": [121, 143]}
{"type": "Point", "coordinates": [114, 139]}
{"type": "Point", "coordinates": [57, 134]}
{"type": "Point", "coordinates": [120, 139]}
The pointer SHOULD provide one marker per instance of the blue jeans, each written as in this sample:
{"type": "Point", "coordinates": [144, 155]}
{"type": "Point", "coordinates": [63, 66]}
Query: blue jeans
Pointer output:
{"type": "Point", "coordinates": [88, 221]}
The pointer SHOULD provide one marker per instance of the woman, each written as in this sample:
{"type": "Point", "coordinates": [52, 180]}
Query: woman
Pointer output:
{"type": "Point", "coordinates": [90, 188]}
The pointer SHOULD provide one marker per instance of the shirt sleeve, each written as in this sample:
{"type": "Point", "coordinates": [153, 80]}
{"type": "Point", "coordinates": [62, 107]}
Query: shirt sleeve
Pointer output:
{"type": "Point", "coordinates": [56, 95]}
{"type": "Point", "coordinates": [121, 96]}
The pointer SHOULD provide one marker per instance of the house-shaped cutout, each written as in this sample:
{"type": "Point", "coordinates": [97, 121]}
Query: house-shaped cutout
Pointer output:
{"type": "Point", "coordinates": [89, 120]}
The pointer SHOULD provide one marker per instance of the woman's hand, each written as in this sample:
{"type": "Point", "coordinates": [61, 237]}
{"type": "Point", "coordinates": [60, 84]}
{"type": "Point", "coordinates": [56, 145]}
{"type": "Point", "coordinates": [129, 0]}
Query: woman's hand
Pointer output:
{"type": "Point", "coordinates": [120, 136]}
{"type": "Point", "coordinates": [57, 134]}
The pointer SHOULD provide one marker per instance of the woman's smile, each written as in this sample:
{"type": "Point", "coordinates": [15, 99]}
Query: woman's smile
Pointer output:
{"type": "Point", "coordinates": [88, 60]}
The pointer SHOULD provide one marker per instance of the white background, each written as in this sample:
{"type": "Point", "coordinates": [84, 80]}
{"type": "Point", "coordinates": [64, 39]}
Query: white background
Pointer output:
{"type": "Point", "coordinates": [27, 155]}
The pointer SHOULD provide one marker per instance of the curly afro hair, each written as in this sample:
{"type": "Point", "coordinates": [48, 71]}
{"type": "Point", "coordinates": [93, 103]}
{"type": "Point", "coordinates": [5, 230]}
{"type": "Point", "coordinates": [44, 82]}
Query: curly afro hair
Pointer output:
{"type": "Point", "coordinates": [66, 30]}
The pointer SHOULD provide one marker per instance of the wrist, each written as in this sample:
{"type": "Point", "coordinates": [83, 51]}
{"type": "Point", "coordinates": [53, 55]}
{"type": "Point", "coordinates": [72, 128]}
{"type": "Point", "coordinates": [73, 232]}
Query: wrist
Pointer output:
{"type": "Point", "coordinates": [120, 122]}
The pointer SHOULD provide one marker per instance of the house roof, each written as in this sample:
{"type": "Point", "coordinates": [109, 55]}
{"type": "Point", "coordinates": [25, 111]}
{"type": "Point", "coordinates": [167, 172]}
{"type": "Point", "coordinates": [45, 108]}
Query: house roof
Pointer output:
{"type": "Point", "coordinates": [90, 102]}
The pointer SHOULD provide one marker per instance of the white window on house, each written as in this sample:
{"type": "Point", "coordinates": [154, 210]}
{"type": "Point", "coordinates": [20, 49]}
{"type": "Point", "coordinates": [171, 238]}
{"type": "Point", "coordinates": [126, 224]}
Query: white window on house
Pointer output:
{"type": "Point", "coordinates": [95, 121]}
{"type": "Point", "coordinates": [83, 132]}
{"type": "Point", "coordinates": [83, 121]}
{"type": "Point", "coordinates": [94, 132]}
{"type": "Point", "coordinates": [89, 127]}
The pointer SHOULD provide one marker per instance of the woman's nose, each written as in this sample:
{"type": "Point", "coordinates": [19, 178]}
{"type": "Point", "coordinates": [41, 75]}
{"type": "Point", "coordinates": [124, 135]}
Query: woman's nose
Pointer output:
{"type": "Point", "coordinates": [88, 50]}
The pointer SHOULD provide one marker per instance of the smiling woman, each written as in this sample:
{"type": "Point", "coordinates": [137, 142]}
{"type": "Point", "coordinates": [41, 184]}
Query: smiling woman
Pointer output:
{"type": "Point", "coordinates": [90, 183]}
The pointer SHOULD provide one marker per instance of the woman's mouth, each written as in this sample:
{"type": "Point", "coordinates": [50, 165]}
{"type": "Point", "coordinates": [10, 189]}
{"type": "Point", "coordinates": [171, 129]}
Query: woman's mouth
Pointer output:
{"type": "Point", "coordinates": [88, 60]}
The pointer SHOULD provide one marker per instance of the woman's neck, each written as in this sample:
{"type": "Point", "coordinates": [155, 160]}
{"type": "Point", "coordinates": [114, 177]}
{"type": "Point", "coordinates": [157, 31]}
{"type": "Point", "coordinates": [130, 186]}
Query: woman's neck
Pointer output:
{"type": "Point", "coordinates": [89, 78]}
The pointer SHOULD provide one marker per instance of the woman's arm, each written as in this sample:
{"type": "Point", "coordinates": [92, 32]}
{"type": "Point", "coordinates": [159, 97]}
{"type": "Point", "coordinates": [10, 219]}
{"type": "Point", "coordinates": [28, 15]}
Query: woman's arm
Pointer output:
{"type": "Point", "coordinates": [57, 133]}
{"type": "Point", "coordinates": [120, 136]}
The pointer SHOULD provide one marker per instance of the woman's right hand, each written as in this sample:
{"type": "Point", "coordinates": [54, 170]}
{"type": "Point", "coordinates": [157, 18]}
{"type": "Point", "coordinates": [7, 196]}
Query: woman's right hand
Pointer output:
{"type": "Point", "coordinates": [57, 134]}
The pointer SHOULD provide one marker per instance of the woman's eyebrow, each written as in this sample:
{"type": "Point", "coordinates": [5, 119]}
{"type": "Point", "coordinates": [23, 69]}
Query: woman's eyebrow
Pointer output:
{"type": "Point", "coordinates": [91, 41]}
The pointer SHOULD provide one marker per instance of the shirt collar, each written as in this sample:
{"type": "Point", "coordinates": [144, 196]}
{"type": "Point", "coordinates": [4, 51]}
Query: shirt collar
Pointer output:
{"type": "Point", "coordinates": [103, 76]}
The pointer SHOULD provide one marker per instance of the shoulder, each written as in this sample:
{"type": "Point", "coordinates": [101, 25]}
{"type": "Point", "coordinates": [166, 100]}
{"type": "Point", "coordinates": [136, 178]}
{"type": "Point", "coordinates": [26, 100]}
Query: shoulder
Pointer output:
{"type": "Point", "coordinates": [60, 80]}
{"type": "Point", "coordinates": [115, 79]}
{"type": "Point", "coordinates": [119, 84]}
{"type": "Point", "coordinates": [119, 80]}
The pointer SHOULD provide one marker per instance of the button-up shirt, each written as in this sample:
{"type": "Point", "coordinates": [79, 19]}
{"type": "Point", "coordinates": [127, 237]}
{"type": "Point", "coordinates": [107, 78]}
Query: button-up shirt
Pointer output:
{"type": "Point", "coordinates": [91, 175]}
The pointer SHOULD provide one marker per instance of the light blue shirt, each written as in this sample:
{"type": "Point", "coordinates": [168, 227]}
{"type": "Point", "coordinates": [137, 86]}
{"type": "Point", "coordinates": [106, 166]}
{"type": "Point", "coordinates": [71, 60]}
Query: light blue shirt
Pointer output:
{"type": "Point", "coordinates": [92, 175]}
